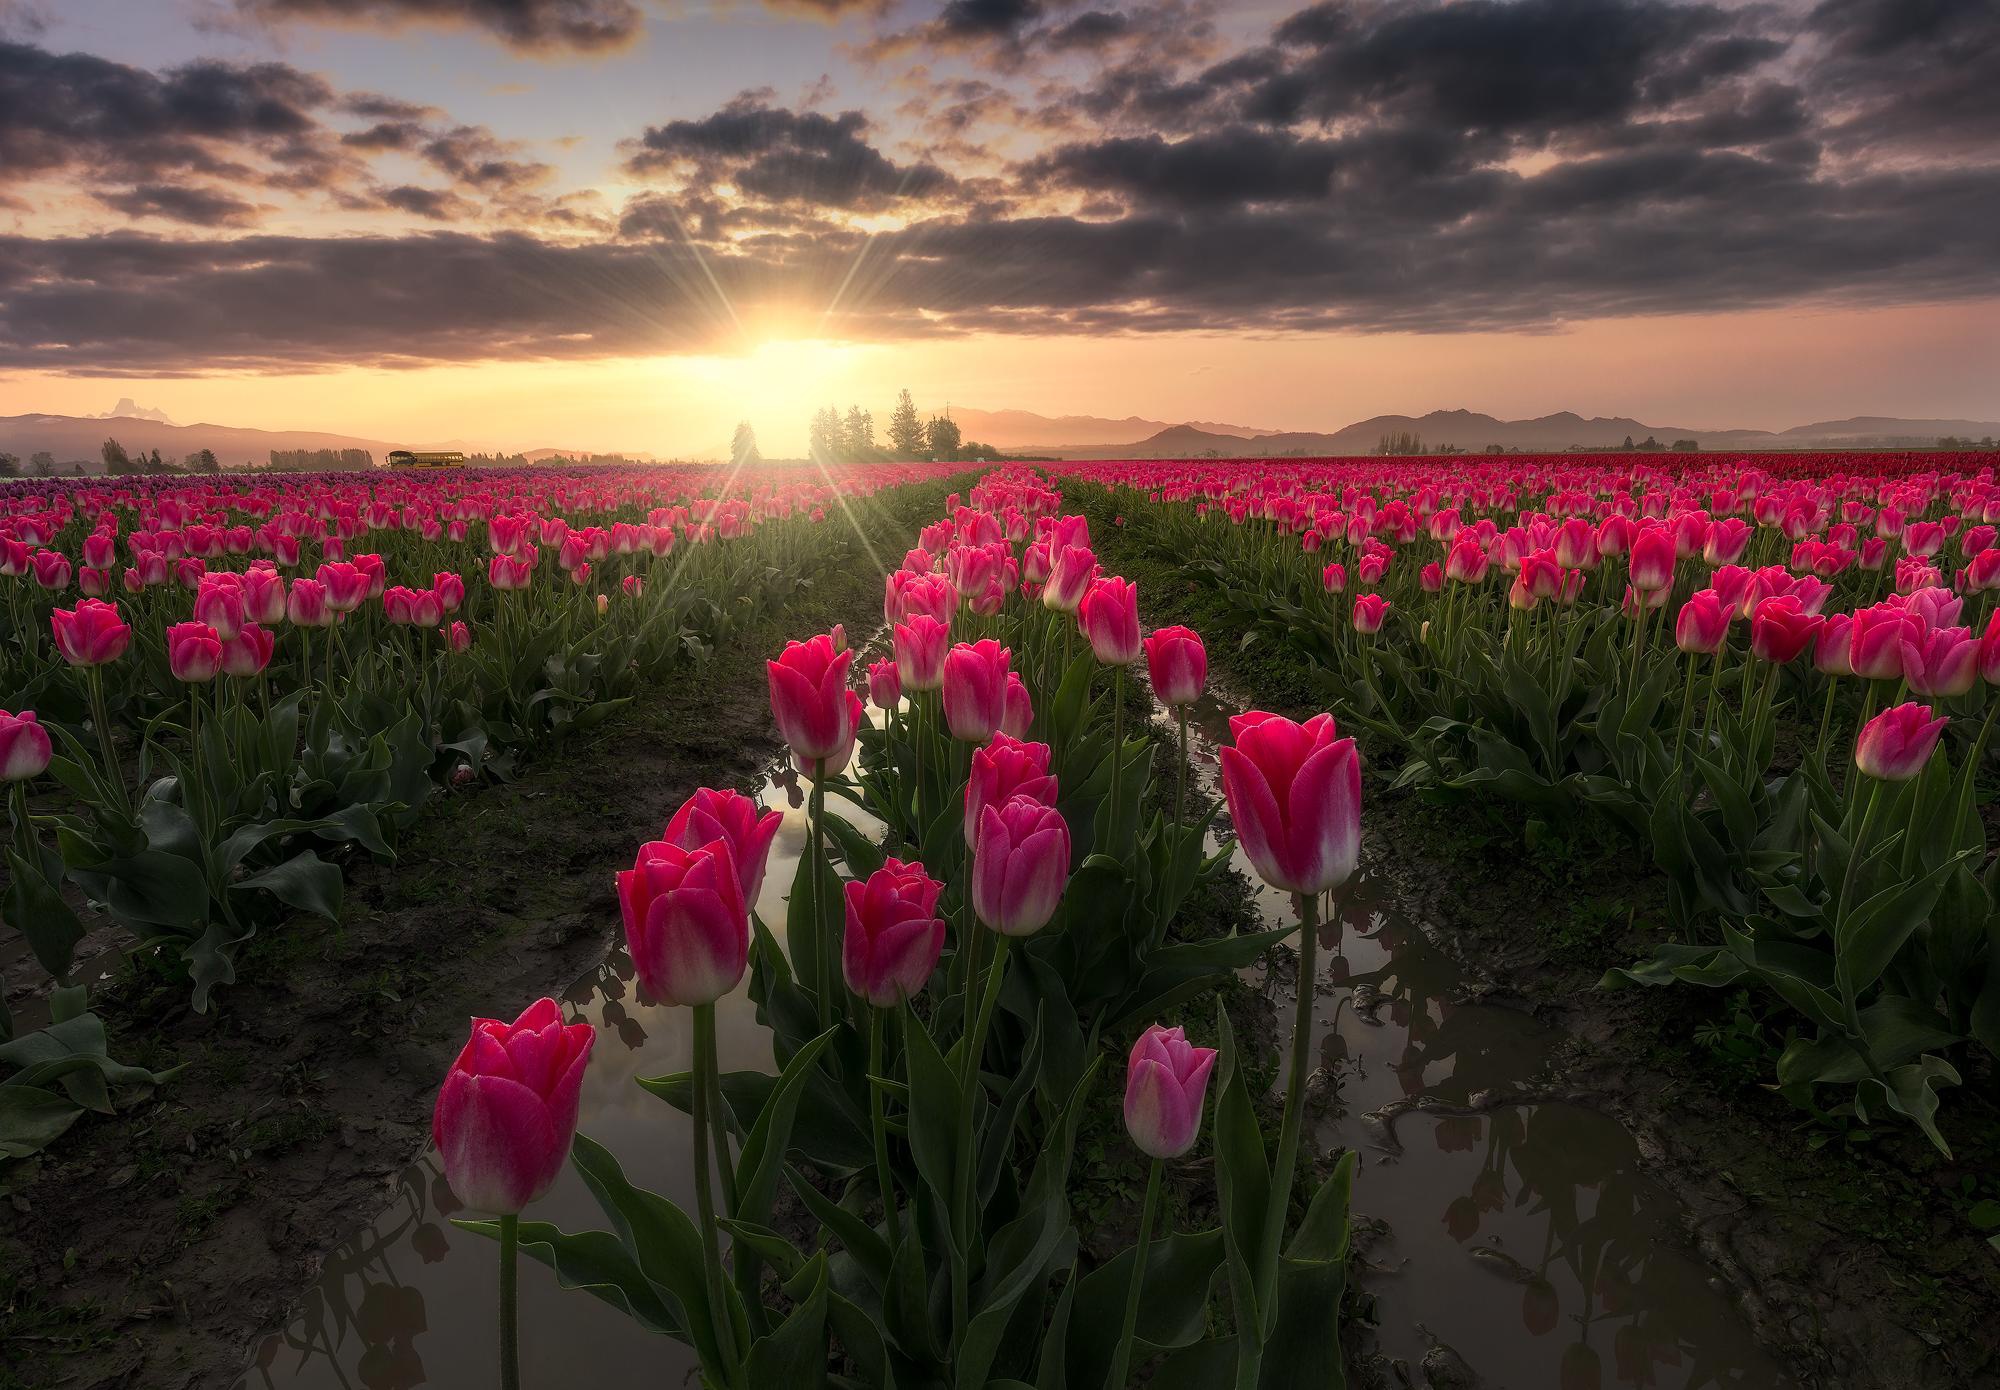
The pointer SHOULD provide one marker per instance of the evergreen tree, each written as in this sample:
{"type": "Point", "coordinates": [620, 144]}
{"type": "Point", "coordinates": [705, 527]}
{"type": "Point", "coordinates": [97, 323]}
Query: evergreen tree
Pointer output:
{"type": "Point", "coordinates": [906, 432]}
{"type": "Point", "coordinates": [116, 460]}
{"type": "Point", "coordinates": [743, 448]}
{"type": "Point", "coordinates": [826, 438]}
{"type": "Point", "coordinates": [859, 434]}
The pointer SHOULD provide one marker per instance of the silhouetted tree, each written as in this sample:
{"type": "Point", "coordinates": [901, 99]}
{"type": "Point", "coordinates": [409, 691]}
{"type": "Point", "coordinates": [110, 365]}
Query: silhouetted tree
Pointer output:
{"type": "Point", "coordinates": [942, 437]}
{"type": "Point", "coordinates": [743, 448]}
{"type": "Point", "coordinates": [116, 460]}
{"type": "Point", "coordinates": [906, 431]}
{"type": "Point", "coordinates": [858, 435]}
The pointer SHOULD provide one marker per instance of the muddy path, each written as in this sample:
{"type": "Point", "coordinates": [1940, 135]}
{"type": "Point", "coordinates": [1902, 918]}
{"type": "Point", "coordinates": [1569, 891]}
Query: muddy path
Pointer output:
{"type": "Point", "coordinates": [1850, 1252]}
{"type": "Point", "coordinates": [152, 1249]}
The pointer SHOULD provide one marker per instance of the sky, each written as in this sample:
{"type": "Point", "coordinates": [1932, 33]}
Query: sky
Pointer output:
{"type": "Point", "coordinates": [627, 224]}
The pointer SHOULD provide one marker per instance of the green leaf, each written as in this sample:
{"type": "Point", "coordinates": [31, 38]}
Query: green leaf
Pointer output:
{"type": "Point", "coordinates": [1242, 1174]}
{"type": "Point", "coordinates": [1304, 1347]}
{"type": "Point", "coordinates": [31, 1119]}
{"type": "Point", "coordinates": [34, 907]}
{"type": "Point", "coordinates": [795, 1353]}
{"type": "Point", "coordinates": [935, 1098]}
{"type": "Point", "coordinates": [1173, 1306]}
{"type": "Point", "coordinates": [596, 1263]}
{"type": "Point", "coordinates": [305, 881]}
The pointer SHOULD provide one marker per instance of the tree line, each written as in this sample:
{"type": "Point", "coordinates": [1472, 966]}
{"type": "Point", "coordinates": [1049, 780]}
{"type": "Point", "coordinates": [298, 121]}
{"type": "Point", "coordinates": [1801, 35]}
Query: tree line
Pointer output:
{"type": "Point", "coordinates": [837, 436]}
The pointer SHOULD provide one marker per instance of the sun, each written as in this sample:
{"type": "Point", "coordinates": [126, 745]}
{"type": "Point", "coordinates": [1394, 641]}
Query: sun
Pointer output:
{"type": "Point", "coordinates": [778, 381]}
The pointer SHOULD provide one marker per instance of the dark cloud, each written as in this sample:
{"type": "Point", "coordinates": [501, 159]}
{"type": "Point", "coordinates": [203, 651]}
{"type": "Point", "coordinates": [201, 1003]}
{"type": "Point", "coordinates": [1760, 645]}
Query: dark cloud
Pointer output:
{"type": "Point", "coordinates": [782, 156]}
{"type": "Point", "coordinates": [533, 26]}
{"type": "Point", "coordinates": [438, 204]}
{"type": "Point", "coordinates": [1909, 72]}
{"type": "Point", "coordinates": [76, 110]}
{"type": "Point", "coordinates": [474, 158]}
{"type": "Point", "coordinates": [198, 207]}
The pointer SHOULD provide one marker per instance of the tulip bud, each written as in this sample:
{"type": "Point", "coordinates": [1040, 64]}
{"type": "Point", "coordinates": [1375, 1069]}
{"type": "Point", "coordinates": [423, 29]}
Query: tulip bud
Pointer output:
{"type": "Point", "coordinates": [735, 819]}
{"type": "Point", "coordinates": [194, 652]}
{"type": "Point", "coordinates": [810, 699]}
{"type": "Point", "coordinates": [885, 685]}
{"type": "Point", "coordinates": [1109, 616]}
{"type": "Point", "coordinates": [506, 1115]}
{"type": "Point", "coordinates": [975, 689]}
{"type": "Point", "coordinates": [1166, 1079]}
{"type": "Point", "coordinates": [91, 634]}
{"type": "Point", "coordinates": [1019, 717]}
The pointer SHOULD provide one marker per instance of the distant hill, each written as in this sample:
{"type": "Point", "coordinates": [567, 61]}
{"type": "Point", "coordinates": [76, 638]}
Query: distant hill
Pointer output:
{"type": "Point", "coordinates": [1023, 429]}
{"type": "Point", "coordinates": [129, 409]}
{"type": "Point", "coordinates": [74, 438]}
{"type": "Point", "coordinates": [1473, 432]}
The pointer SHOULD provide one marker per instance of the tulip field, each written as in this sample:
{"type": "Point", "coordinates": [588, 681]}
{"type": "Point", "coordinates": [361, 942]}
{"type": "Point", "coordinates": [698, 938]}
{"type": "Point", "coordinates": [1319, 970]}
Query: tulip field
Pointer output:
{"type": "Point", "coordinates": [934, 929]}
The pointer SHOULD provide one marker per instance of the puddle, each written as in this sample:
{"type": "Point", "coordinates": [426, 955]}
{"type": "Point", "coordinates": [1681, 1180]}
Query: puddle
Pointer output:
{"type": "Point", "coordinates": [1523, 1237]}
{"type": "Point", "coordinates": [411, 1300]}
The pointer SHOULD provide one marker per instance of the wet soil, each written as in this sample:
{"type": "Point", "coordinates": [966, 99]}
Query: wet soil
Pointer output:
{"type": "Point", "coordinates": [153, 1248]}
{"type": "Point", "coordinates": [1850, 1251]}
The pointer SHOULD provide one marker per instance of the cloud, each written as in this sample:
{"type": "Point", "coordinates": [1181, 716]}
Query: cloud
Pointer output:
{"type": "Point", "coordinates": [777, 155]}
{"type": "Point", "coordinates": [527, 26]}
{"type": "Point", "coordinates": [198, 207]}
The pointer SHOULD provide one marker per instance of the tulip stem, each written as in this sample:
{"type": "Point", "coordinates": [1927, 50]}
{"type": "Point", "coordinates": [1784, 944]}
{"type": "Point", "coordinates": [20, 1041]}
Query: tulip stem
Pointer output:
{"type": "Point", "coordinates": [1147, 1210]}
{"type": "Point", "coordinates": [815, 851]}
{"type": "Point", "coordinates": [1288, 1130]}
{"type": "Point", "coordinates": [968, 1158]}
{"type": "Point", "coordinates": [113, 773]}
{"type": "Point", "coordinates": [510, 1348]}
{"type": "Point", "coordinates": [882, 1179]}
{"type": "Point", "coordinates": [1117, 747]}
{"type": "Point", "coordinates": [917, 736]}
{"type": "Point", "coordinates": [721, 1324]}
{"type": "Point", "coordinates": [1180, 771]}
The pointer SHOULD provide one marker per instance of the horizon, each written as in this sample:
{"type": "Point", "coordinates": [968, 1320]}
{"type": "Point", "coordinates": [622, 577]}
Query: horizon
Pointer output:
{"type": "Point", "coordinates": [622, 227]}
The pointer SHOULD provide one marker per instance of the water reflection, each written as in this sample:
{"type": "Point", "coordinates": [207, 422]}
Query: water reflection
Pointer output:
{"type": "Point", "coordinates": [1524, 1236]}
{"type": "Point", "coordinates": [414, 1292]}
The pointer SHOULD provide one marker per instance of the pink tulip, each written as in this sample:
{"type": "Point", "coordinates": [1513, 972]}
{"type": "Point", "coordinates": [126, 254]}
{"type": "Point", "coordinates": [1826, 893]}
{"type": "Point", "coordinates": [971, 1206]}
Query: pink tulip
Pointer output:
{"type": "Point", "coordinates": [24, 746]}
{"type": "Point", "coordinates": [1897, 743]}
{"type": "Point", "coordinates": [249, 651]}
{"type": "Point", "coordinates": [1989, 652]}
{"type": "Point", "coordinates": [1833, 647]}
{"type": "Point", "coordinates": [458, 637]}
{"type": "Point", "coordinates": [1703, 625]}
{"type": "Point", "coordinates": [1019, 716]}
{"type": "Point", "coordinates": [450, 591]}
{"type": "Point", "coordinates": [347, 585]}
{"type": "Point", "coordinates": [1178, 664]}
{"type": "Point", "coordinates": [687, 925]}
{"type": "Point", "coordinates": [1334, 578]}
{"type": "Point", "coordinates": [736, 820]}
{"type": "Point", "coordinates": [219, 603]}
{"type": "Point", "coordinates": [885, 685]}
{"type": "Point", "coordinates": [194, 652]}
{"type": "Point", "coordinates": [52, 569]}
{"type": "Point", "coordinates": [506, 574]}
{"type": "Point", "coordinates": [306, 605]}
{"type": "Point", "coordinates": [1652, 560]}
{"type": "Point", "coordinates": [809, 699]}
{"type": "Point", "coordinates": [1294, 792]}
{"type": "Point", "coordinates": [1727, 540]}
{"type": "Point", "coordinates": [1942, 663]}
{"type": "Point", "coordinates": [975, 689]}
{"type": "Point", "coordinates": [1020, 865]}
{"type": "Point", "coordinates": [1166, 1080]}
{"type": "Point", "coordinates": [920, 643]}
{"type": "Point", "coordinates": [893, 933]}
{"type": "Point", "coordinates": [1109, 616]}
{"type": "Point", "coordinates": [506, 1116]}
{"type": "Point", "coordinates": [91, 634]}
{"type": "Point", "coordinates": [1002, 770]}
{"type": "Point", "coordinates": [1781, 628]}
{"type": "Point", "coordinates": [1875, 643]}
{"type": "Point", "coordinates": [1467, 561]}
{"type": "Point", "coordinates": [1370, 611]}
{"type": "Point", "coordinates": [1070, 571]}
{"type": "Point", "coordinates": [263, 597]}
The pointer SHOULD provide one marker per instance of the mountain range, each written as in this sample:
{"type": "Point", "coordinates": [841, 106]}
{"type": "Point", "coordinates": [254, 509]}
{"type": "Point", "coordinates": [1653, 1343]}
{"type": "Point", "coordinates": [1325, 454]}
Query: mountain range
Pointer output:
{"type": "Point", "coordinates": [73, 437]}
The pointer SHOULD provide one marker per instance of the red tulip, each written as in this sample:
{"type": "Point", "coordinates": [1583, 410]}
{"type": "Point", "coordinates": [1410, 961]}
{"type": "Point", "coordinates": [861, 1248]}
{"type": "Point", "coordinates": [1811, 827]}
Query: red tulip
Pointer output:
{"type": "Point", "coordinates": [1781, 628]}
{"type": "Point", "coordinates": [1109, 616]}
{"type": "Point", "coordinates": [347, 585]}
{"type": "Point", "coordinates": [506, 1115]}
{"type": "Point", "coordinates": [893, 934]}
{"type": "Point", "coordinates": [1370, 611]}
{"type": "Point", "coordinates": [1166, 1080]}
{"type": "Point", "coordinates": [687, 925]}
{"type": "Point", "coordinates": [263, 596]}
{"type": "Point", "coordinates": [219, 603]}
{"type": "Point", "coordinates": [91, 634]}
{"type": "Point", "coordinates": [975, 689]}
{"type": "Point", "coordinates": [505, 574]}
{"type": "Point", "coordinates": [450, 591]}
{"type": "Point", "coordinates": [52, 569]}
{"type": "Point", "coordinates": [1989, 652]}
{"type": "Point", "coordinates": [1334, 578]}
{"type": "Point", "coordinates": [739, 822]}
{"type": "Point", "coordinates": [1467, 561]}
{"type": "Point", "coordinates": [1897, 743]}
{"type": "Point", "coordinates": [810, 699]}
{"type": "Point", "coordinates": [24, 746]}
{"type": "Point", "coordinates": [1727, 540]}
{"type": "Point", "coordinates": [1020, 866]}
{"type": "Point", "coordinates": [920, 643]}
{"type": "Point", "coordinates": [1875, 644]}
{"type": "Point", "coordinates": [1833, 647]}
{"type": "Point", "coordinates": [1703, 625]}
{"type": "Point", "coordinates": [1178, 664]}
{"type": "Point", "coordinates": [1652, 561]}
{"type": "Point", "coordinates": [1294, 792]}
